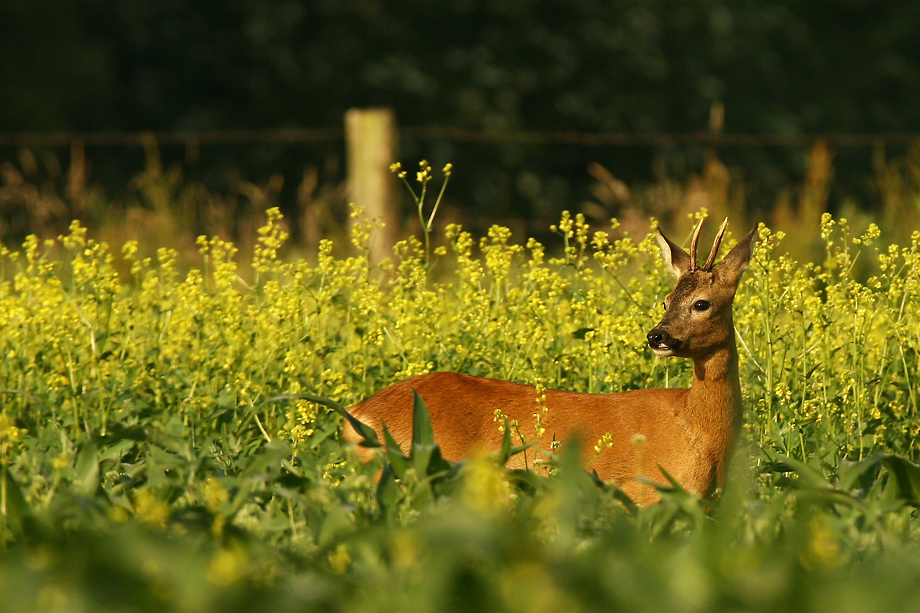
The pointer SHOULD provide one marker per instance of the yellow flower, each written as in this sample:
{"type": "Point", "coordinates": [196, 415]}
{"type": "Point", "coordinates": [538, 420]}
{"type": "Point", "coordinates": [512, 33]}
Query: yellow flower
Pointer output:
{"type": "Point", "coordinates": [340, 559]}
{"type": "Point", "coordinates": [9, 437]}
{"type": "Point", "coordinates": [227, 566]}
{"type": "Point", "coordinates": [149, 509]}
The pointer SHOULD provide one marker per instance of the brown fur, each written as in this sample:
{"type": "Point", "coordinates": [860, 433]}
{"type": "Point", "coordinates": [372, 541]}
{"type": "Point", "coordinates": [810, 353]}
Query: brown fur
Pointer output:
{"type": "Point", "coordinates": [687, 432]}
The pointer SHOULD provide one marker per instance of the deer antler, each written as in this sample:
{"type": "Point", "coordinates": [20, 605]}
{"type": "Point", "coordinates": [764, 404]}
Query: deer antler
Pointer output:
{"type": "Point", "coordinates": [693, 242]}
{"type": "Point", "coordinates": [715, 246]}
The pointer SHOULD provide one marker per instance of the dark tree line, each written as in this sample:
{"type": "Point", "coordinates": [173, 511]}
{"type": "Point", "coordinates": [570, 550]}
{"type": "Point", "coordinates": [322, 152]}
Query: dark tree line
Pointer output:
{"type": "Point", "coordinates": [798, 66]}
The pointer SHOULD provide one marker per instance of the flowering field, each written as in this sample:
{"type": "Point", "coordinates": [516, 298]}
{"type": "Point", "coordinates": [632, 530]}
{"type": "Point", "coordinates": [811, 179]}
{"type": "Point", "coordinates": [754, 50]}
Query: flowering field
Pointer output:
{"type": "Point", "coordinates": [160, 452]}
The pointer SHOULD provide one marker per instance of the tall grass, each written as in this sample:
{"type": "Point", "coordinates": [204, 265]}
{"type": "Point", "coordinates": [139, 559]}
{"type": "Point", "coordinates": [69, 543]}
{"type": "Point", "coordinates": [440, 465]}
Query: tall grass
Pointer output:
{"type": "Point", "coordinates": [41, 192]}
{"type": "Point", "coordinates": [160, 449]}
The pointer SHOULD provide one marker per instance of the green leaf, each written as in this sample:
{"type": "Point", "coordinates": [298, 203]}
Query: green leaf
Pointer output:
{"type": "Point", "coordinates": [422, 431]}
{"type": "Point", "coordinates": [117, 450]}
{"type": "Point", "coordinates": [505, 453]}
{"type": "Point", "coordinates": [421, 456]}
{"type": "Point", "coordinates": [437, 467]}
{"type": "Point", "coordinates": [336, 524]}
{"type": "Point", "coordinates": [86, 471]}
{"type": "Point", "coordinates": [619, 495]}
{"type": "Point", "coordinates": [267, 459]}
{"type": "Point", "coordinates": [508, 450]}
{"type": "Point", "coordinates": [366, 432]}
{"type": "Point", "coordinates": [823, 498]}
{"type": "Point", "coordinates": [240, 496]}
{"type": "Point", "coordinates": [16, 508]}
{"type": "Point", "coordinates": [397, 460]}
{"type": "Point", "coordinates": [850, 475]}
{"type": "Point", "coordinates": [156, 476]}
{"type": "Point", "coordinates": [424, 449]}
{"type": "Point", "coordinates": [903, 479]}
{"type": "Point", "coordinates": [808, 476]}
{"type": "Point", "coordinates": [387, 492]}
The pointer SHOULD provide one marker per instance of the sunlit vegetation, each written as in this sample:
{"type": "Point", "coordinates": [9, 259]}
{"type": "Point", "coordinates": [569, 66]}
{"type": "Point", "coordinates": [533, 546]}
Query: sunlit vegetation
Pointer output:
{"type": "Point", "coordinates": [161, 448]}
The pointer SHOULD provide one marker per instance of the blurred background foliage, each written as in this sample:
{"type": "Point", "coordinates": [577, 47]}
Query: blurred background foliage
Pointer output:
{"type": "Point", "coordinates": [638, 67]}
{"type": "Point", "coordinates": [614, 65]}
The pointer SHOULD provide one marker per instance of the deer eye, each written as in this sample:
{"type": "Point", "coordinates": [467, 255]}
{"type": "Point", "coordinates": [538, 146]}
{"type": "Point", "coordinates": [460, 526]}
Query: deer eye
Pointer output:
{"type": "Point", "coordinates": [701, 305]}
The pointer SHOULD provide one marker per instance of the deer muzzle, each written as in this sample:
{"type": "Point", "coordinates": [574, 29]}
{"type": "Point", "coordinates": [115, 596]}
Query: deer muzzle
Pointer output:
{"type": "Point", "coordinates": [662, 343]}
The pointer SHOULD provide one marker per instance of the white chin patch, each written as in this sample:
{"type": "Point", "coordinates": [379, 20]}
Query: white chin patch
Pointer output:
{"type": "Point", "coordinates": [662, 352]}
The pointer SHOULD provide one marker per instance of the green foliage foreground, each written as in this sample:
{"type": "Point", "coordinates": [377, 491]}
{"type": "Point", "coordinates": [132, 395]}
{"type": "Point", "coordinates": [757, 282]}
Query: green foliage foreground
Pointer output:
{"type": "Point", "coordinates": [161, 448]}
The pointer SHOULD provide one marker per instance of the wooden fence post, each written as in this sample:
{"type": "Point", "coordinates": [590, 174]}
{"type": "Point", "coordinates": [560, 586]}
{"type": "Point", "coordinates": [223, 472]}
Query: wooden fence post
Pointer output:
{"type": "Point", "coordinates": [371, 143]}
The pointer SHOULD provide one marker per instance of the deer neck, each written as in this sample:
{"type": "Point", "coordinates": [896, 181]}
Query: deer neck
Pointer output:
{"type": "Point", "coordinates": [714, 399]}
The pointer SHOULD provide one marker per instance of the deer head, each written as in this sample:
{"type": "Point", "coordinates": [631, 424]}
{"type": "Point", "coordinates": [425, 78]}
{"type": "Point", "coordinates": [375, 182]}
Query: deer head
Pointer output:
{"type": "Point", "coordinates": [698, 313]}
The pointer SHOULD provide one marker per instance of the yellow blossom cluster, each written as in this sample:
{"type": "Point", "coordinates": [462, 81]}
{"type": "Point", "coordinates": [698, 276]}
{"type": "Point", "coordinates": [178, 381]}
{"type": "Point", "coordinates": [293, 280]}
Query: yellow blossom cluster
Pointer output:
{"type": "Point", "coordinates": [828, 350]}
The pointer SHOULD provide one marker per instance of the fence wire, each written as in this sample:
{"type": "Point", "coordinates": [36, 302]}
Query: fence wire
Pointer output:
{"type": "Point", "coordinates": [535, 137]}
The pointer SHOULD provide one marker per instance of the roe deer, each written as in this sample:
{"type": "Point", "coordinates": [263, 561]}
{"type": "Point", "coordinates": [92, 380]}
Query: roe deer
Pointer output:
{"type": "Point", "coordinates": [688, 433]}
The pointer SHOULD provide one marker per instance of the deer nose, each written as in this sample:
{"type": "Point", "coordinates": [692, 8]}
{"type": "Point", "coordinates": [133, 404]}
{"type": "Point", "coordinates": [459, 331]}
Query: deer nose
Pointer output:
{"type": "Point", "coordinates": [658, 338]}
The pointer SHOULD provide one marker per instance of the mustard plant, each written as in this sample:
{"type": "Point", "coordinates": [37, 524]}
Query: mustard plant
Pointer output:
{"type": "Point", "coordinates": [186, 412]}
{"type": "Point", "coordinates": [423, 178]}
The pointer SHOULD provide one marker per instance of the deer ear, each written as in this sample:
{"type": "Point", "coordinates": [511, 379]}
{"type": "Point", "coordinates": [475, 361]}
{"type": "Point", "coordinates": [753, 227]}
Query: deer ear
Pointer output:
{"type": "Point", "coordinates": [676, 259]}
{"type": "Point", "coordinates": [737, 260]}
